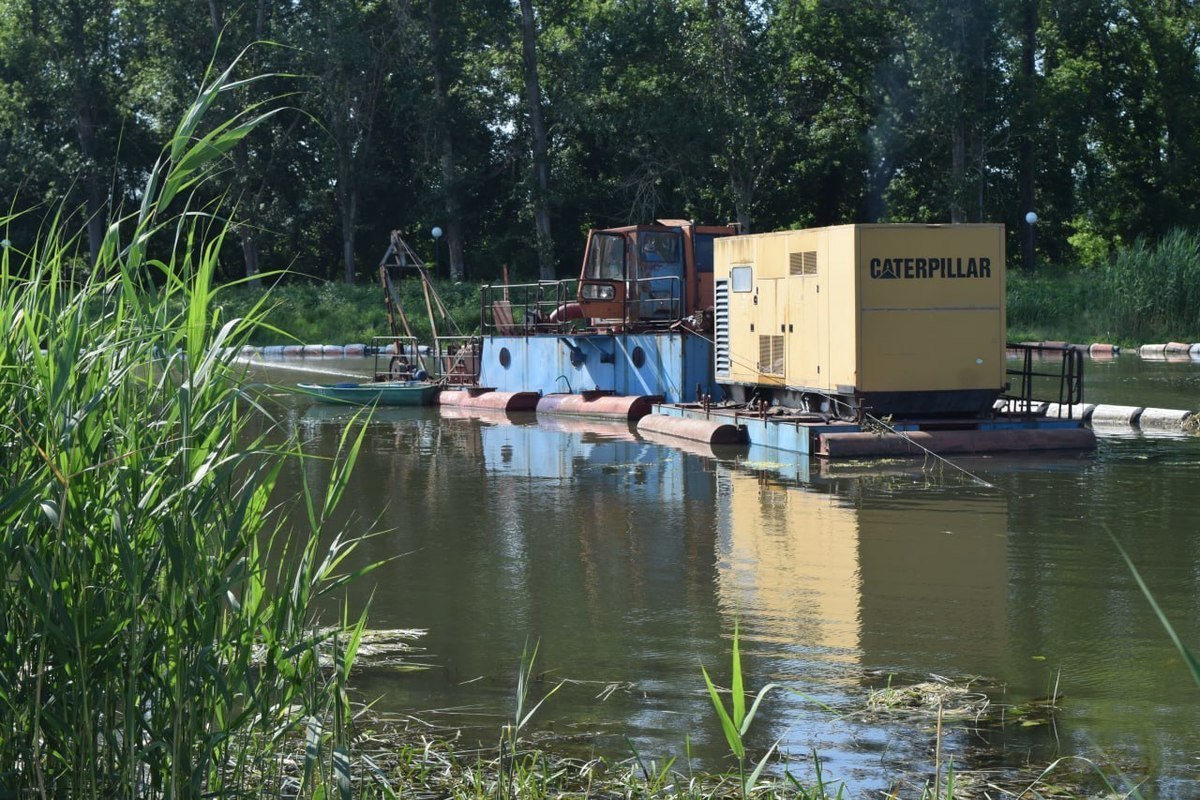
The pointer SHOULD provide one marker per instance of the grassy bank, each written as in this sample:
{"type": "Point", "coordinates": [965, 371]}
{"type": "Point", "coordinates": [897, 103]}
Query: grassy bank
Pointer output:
{"type": "Point", "coordinates": [1147, 292]}
{"type": "Point", "coordinates": [303, 312]}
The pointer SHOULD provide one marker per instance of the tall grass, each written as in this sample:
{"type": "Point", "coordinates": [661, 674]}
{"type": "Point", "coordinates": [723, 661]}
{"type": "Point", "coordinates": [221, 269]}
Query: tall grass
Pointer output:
{"type": "Point", "coordinates": [1152, 290]}
{"type": "Point", "coordinates": [157, 626]}
{"type": "Point", "coordinates": [1051, 305]}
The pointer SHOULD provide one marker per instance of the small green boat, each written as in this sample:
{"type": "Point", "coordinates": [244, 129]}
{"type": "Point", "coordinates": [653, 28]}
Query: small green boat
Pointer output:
{"type": "Point", "coordinates": [379, 393]}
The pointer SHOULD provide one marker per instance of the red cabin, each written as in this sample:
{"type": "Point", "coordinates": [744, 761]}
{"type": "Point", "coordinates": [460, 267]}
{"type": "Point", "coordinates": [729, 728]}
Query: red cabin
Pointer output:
{"type": "Point", "coordinates": [648, 275]}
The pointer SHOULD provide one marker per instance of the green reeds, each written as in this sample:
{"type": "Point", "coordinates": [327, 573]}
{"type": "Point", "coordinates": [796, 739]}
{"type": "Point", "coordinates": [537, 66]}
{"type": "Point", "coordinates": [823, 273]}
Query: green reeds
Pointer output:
{"type": "Point", "coordinates": [157, 629]}
{"type": "Point", "coordinates": [1152, 289]}
{"type": "Point", "coordinates": [735, 722]}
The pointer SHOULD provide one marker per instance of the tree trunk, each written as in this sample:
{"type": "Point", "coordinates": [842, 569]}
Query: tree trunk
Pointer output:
{"type": "Point", "coordinates": [741, 182]}
{"type": "Point", "coordinates": [958, 170]}
{"type": "Point", "coordinates": [441, 84]}
{"type": "Point", "coordinates": [958, 132]}
{"type": "Point", "coordinates": [454, 247]}
{"type": "Point", "coordinates": [85, 128]}
{"type": "Point", "coordinates": [537, 124]}
{"type": "Point", "coordinates": [347, 194]}
{"type": "Point", "coordinates": [250, 254]}
{"type": "Point", "coordinates": [241, 157]}
{"type": "Point", "coordinates": [1026, 175]}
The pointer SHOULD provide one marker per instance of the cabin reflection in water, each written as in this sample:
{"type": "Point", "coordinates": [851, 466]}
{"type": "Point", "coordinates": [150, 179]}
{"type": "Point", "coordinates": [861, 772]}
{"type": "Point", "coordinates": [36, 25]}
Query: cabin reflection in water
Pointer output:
{"type": "Point", "coordinates": [847, 574]}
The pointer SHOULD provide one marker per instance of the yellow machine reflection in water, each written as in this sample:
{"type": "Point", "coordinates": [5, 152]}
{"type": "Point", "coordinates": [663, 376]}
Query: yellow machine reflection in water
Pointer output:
{"type": "Point", "coordinates": [858, 577]}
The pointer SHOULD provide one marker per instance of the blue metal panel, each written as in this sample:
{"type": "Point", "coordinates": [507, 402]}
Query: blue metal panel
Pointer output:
{"type": "Point", "coordinates": [673, 364]}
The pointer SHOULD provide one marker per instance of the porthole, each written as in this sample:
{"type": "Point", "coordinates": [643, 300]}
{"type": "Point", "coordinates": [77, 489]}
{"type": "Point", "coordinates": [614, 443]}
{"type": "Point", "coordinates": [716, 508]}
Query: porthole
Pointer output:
{"type": "Point", "coordinates": [505, 357]}
{"type": "Point", "coordinates": [638, 357]}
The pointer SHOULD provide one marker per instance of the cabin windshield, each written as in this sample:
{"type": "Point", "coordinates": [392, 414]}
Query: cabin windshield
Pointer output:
{"type": "Point", "coordinates": [659, 248]}
{"type": "Point", "coordinates": [606, 258]}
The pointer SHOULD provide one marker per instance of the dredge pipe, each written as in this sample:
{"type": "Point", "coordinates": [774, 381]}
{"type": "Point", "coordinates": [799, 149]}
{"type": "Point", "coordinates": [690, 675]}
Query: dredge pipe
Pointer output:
{"type": "Point", "coordinates": [591, 404]}
{"type": "Point", "coordinates": [1123, 416]}
{"type": "Point", "coordinates": [696, 430]}
{"type": "Point", "coordinates": [1165, 419]}
{"type": "Point", "coordinates": [489, 399]}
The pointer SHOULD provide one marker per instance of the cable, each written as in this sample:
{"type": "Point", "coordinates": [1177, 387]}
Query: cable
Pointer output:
{"type": "Point", "coordinates": [904, 435]}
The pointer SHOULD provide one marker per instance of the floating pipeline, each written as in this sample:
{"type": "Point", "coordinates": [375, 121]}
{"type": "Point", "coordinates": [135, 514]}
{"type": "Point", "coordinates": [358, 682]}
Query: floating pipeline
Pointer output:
{"type": "Point", "coordinates": [706, 431]}
{"type": "Point", "coordinates": [598, 404]}
{"type": "Point", "coordinates": [1075, 411]}
{"type": "Point", "coordinates": [483, 398]}
{"type": "Point", "coordinates": [1113, 417]}
{"type": "Point", "coordinates": [1171, 351]}
{"type": "Point", "coordinates": [1165, 419]}
{"type": "Point", "coordinates": [691, 446]}
{"type": "Point", "coordinates": [1100, 350]}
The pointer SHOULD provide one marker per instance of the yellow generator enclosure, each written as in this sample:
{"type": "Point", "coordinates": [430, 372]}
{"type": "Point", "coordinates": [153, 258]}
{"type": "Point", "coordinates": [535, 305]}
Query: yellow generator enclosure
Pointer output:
{"type": "Point", "coordinates": [888, 319]}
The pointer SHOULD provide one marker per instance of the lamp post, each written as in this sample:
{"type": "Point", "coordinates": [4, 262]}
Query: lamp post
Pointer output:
{"type": "Point", "coordinates": [1031, 219]}
{"type": "Point", "coordinates": [436, 233]}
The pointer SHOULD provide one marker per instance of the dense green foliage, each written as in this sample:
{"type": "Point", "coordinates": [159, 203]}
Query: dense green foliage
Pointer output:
{"type": "Point", "coordinates": [1145, 292]}
{"type": "Point", "coordinates": [403, 115]}
{"type": "Point", "coordinates": [331, 313]}
{"type": "Point", "coordinates": [158, 629]}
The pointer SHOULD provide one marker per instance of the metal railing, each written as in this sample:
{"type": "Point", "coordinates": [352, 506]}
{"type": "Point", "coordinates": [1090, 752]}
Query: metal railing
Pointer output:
{"type": "Point", "coordinates": [653, 307]}
{"type": "Point", "coordinates": [529, 308]}
{"type": "Point", "coordinates": [519, 308]}
{"type": "Point", "coordinates": [1066, 377]}
{"type": "Point", "coordinates": [400, 358]}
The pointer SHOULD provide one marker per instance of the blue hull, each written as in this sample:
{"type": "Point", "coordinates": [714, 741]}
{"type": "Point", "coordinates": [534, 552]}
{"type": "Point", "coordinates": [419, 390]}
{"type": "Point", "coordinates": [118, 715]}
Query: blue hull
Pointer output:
{"type": "Point", "coordinates": [669, 364]}
{"type": "Point", "coordinates": [388, 393]}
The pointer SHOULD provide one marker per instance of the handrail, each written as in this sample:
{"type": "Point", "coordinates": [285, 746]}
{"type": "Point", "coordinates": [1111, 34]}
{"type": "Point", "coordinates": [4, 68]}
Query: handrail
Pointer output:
{"type": "Point", "coordinates": [528, 308]}
{"type": "Point", "coordinates": [671, 303]}
{"type": "Point", "coordinates": [1069, 376]}
{"type": "Point", "coordinates": [517, 308]}
{"type": "Point", "coordinates": [403, 356]}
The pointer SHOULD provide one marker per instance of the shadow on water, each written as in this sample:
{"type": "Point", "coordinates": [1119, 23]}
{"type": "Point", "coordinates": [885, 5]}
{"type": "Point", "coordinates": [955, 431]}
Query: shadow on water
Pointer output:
{"type": "Point", "coordinates": [631, 559]}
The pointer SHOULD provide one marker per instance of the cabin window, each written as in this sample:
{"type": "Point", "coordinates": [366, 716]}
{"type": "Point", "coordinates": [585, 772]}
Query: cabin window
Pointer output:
{"type": "Point", "coordinates": [606, 257]}
{"type": "Point", "coordinates": [703, 244]}
{"type": "Point", "coordinates": [659, 248]}
{"type": "Point", "coordinates": [741, 279]}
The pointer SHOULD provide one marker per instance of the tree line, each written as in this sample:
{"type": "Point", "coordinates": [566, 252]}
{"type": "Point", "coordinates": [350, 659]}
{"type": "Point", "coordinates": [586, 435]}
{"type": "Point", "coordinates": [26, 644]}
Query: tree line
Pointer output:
{"type": "Point", "coordinates": [513, 126]}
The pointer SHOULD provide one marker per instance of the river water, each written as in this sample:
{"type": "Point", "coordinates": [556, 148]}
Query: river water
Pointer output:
{"type": "Point", "coordinates": [629, 563]}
